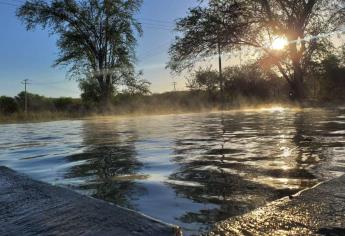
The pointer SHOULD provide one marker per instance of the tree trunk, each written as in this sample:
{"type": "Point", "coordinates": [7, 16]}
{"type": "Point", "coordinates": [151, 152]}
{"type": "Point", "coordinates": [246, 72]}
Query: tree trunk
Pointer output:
{"type": "Point", "coordinates": [297, 82]}
{"type": "Point", "coordinates": [297, 85]}
{"type": "Point", "coordinates": [298, 91]}
{"type": "Point", "coordinates": [106, 98]}
{"type": "Point", "coordinates": [106, 94]}
{"type": "Point", "coordinates": [221, 80]}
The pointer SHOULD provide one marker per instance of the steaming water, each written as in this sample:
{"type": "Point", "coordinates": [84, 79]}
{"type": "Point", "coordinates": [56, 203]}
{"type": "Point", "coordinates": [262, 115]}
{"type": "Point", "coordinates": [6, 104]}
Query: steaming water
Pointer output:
{"type": "Point", "coordinates": [190, 170]}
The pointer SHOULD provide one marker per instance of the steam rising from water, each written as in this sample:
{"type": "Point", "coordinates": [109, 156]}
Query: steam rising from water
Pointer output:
{"type": "Point", "coordinates": [190, 169]}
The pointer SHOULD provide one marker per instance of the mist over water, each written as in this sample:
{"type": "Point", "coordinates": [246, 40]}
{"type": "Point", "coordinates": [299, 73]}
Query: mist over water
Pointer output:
{"type": "Point", "coordinates": [191, 170]}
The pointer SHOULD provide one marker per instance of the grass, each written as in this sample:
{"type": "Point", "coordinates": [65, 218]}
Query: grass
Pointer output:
{"type": "Point", "coordinates": [163, 104]}
{"type": "Point", "coordinates": [21, 117]}
{"type": "Point", "coordinates": [44, 116]}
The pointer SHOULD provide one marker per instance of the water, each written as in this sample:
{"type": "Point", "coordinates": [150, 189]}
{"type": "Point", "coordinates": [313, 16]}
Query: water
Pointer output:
{"type": "Point", "coordinates": [190, 170]}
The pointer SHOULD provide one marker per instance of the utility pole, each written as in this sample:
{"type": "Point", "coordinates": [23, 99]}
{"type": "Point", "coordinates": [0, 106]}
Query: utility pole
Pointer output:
{"type": "Point", "coordinates": [240, 57]}
{"type": "Point", "coordinates": [221, 81]}
{"type": "Point", "coordinates": [174, 84]}
{"type": "Point", "coordinates": [220, 65]}
{"type": "Point", "coordinates": [26, 82]}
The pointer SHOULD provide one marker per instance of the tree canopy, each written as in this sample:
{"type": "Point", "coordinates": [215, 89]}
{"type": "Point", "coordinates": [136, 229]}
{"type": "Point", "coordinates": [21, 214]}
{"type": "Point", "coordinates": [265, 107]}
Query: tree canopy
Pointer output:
{"type": "Point", "coordinates": [235, 24]}
{"type": "Point", "coordinates": [204, 30]}
{"type": "Point", "coordinates": [96, 38]}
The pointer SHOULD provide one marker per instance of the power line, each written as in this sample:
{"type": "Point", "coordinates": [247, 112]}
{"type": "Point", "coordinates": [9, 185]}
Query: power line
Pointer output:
{"type": "Point", "coordinates": [146, 21]}
{"type": "Point", "coordinates": [50, 82]}
{"type": "Point", "coordinates": [51, 85]}
{"type": "Point", "coordinates": [153, 51]}
{"type": "Point", "coordinates": [63, 89]}
{"type": "Point", "coordinates": [238, 53]}
{"type": "Point", "coordinates": [150, 23]}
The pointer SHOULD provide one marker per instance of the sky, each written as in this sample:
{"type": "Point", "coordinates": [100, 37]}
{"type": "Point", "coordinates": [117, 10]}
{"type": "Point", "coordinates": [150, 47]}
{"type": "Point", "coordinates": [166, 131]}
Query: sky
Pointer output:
{"type": "Point", "coordinates": [30, 54]}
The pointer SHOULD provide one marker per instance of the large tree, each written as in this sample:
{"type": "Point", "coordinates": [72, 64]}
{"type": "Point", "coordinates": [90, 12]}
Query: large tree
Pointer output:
{"type": "Point", "coordinates": [206, 32]}
{"type": "Point", "coordinates": [96, 38]}
{"type": "Point", "coordinates": [256, 24]}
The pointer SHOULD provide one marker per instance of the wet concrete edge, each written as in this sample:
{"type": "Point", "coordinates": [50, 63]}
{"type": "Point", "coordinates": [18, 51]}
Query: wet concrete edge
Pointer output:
{"type": "Point", "coordinates": [30, 207]}
{"type": "Point", "coordinates": [319, 210]}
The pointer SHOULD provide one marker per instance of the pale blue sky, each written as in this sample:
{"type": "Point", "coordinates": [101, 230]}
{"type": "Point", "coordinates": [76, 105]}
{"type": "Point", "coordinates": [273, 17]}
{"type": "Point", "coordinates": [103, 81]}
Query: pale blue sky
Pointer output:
{"type": "Point", "coordinates": [30, 55]}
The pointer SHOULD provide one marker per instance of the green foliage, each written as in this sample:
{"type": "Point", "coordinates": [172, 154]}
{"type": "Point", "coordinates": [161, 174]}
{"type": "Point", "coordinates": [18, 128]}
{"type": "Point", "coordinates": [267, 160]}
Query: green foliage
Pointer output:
{"type": "Point", "coordinates": [255, 24]}
{"type": "Point", "coordinates": [204, 79]}
{"type": "Point", "coordinates": [38, 116]}
{"type": "Point", "coordinates": [205, 30]}
{"type": "Point", "coordinates": [35, 102]}
{"type": "Point", "coordinates": [67, 104]}
{"type": "Point", "coordinates": [332, 79]}
{"type": "Point", "coordinates": [8, 105]}
{"type": "Point", "coordinates": [253, 82]}
{"type": "Point", "coordinates": [38, 103]}
{"type": "Point", "coordinates": [136, 86]}
{"type": "Point", "coordinates": [248, 81]}
{"type": "Point", "coordinates": [91, 93]}
{"type": "Point", "coordinates": [169, 102]}
{"type": "Point", "coordinates": [96, 38]}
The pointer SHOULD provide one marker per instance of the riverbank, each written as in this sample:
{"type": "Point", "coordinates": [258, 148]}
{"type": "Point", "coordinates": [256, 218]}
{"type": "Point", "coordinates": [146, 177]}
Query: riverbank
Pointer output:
{"type": "Point", "coordinates": [34, 117]}
{"type": "Point", "coordinates": [316, 211]}
{"type": "Point", "coordinates": [21, 117]}
{"type": "Point", "coordinates": [30, 207]}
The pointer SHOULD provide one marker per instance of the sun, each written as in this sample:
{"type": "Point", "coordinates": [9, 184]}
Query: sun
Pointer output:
{"type": "Point", "coordinates": [279, 43]}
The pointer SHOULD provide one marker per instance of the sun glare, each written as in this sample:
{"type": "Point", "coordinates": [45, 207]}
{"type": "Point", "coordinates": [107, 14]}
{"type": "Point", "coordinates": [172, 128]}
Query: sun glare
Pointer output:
{"type": "Point", "coordinates": [279, 43]}
{"type": "Point", "coordinates": [274, 109]}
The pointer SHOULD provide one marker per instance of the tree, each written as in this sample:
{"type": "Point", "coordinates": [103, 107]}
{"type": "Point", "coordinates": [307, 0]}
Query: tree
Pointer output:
{"type": "Point", "coordinates": [206, 32]}
{"type": "Point", "coordinates": [96, 37]}
{"type": "Point", "coordinates": [91, 93]}
{"type": "Point", "coordinates": [66, 104]}
{"type": "Point", "coordinates": [302, 24]}
{"type": "Point", "coordinates": [332, 78]}
{"type": "Point", "coordinates": [204, 80]}
{"type": "Point", "coordinates": [134, 85]}
{"type": "Point", "coordinates": [138, 87]}
{"type": "Point", "coordinates": [249, 81]}
{"type": "Point", "coordinates": [35, 102]}
{"type": "Point", "coordinates": [257, 24]}
{"type": "Point", "coordinates": [8, 105]}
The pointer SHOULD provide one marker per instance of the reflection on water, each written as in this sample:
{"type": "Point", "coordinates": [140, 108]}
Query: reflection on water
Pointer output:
{"type": "Point", "coordinates": [107, 161]}
{"type": "Point", "coordinates": [191, 170]}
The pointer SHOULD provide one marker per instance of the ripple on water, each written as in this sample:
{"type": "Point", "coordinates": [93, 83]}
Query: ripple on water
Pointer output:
{"type": "Point", "coordinates": [191, 170]}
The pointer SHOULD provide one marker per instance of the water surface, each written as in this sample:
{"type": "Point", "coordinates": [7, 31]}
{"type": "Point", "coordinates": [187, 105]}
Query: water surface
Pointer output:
{"type": "Point", "coordinates": [191, 170]}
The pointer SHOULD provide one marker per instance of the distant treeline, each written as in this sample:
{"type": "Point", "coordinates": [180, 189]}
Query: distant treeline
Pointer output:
{"type": "Point", "coordinates": [37, 103]}
{"type": "Point", "coordinates": [246, 85]}
{"type": "Point", "coordinates": [306, 65]}
{"type": "Point", "coordinates": [243, 85]}
{"type": "Point", "coordinates": [251, 83]}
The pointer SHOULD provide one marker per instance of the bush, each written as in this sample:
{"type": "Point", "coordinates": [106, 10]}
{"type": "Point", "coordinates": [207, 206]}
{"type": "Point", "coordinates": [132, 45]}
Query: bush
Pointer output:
{"type": "Point", "coordinates": [8, 105]}
{"type": "Point", "coordinates": [64, 104]}
{"type": "Point", "coordinates": [36, 102]}
{"type": "Point", "coordinates": [332, 81]}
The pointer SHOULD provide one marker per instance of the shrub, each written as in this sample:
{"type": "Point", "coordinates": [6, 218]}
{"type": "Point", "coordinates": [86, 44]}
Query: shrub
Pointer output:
{"type": "Point", "coordinates": [8, 105]}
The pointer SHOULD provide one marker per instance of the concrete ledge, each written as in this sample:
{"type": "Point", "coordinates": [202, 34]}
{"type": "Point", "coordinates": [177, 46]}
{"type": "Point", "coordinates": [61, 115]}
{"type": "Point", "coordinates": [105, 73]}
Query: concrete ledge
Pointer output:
{"type": "Point", "coordinates": [316, 211]}
{"type": "Point", "coordinates": [29, 207]}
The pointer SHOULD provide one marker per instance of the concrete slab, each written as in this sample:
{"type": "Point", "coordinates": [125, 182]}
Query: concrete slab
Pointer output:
{"type": "Point", "coordinates": [29, 207]}
{"type": "Point", "coordinates": [316, 211]}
